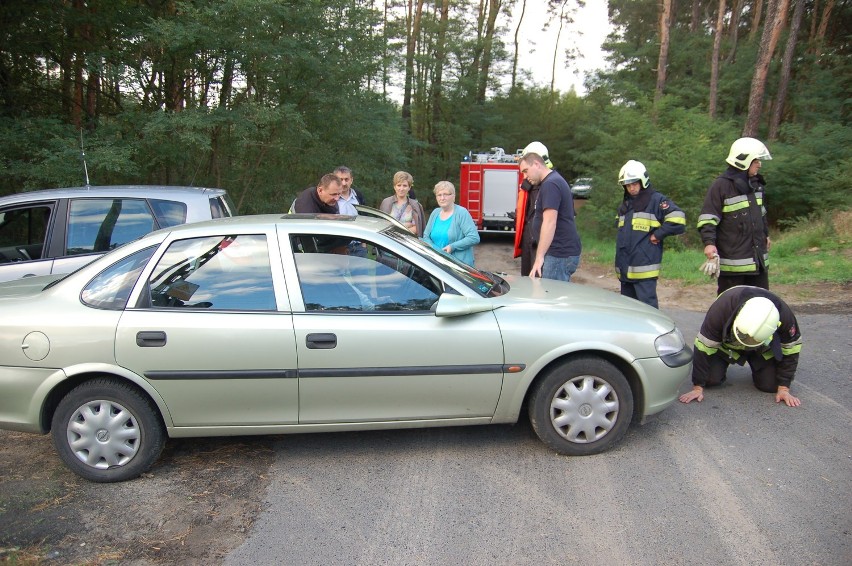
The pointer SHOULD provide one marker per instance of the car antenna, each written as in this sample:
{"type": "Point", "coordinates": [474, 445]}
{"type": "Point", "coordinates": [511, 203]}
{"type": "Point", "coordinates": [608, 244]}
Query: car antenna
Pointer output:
{"type": "Point", "coordinates": [83, 157]}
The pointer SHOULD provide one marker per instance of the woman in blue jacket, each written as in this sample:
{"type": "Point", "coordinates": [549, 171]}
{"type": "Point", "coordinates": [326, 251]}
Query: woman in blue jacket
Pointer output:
{"type": "Point", "coordinates": [451, 227]}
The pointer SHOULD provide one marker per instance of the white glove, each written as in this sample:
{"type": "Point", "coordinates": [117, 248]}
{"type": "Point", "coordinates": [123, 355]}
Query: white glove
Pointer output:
{"type": "Point", "coordinates": [711, 267]}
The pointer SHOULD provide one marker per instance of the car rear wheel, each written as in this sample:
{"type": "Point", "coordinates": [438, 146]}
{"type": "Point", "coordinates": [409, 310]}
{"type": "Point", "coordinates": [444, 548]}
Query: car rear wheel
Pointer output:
{"type": "Point", "coordinates": [106, 431]}
{"type": "Point", "coordinates": [581, 406]}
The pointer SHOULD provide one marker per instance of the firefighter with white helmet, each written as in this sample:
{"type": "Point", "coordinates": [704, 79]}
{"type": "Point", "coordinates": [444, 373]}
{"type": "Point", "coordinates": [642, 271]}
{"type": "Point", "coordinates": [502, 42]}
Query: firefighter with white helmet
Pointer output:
{"type": "Point", "coordinates": [747, 325]}
{"type": "Point", "coordinates": [644, 219]}
{"type": "Point", "coordinates": [732, 222]}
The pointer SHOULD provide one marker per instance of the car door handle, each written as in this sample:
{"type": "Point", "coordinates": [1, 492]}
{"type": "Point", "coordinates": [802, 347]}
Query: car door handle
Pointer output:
{"type": "Point", "coordinates": [321, 341]}
{"type": "Point", "coordinates": [151, 339]}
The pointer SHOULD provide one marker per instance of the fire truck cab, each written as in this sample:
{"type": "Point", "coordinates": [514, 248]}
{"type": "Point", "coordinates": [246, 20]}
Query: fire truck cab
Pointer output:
{"type": "Point", "coordinates": [488, 188]}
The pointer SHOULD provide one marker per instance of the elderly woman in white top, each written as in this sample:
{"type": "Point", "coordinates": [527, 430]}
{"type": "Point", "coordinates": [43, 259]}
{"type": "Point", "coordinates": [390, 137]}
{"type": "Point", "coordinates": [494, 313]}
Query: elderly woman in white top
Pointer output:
{"type": "Point", "coordinates": [451, 227]}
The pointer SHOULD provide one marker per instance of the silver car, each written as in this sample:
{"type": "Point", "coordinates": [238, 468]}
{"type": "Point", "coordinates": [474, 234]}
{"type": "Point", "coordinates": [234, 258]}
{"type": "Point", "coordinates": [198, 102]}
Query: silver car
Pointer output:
{"type": "Point", "coordinates": [58, 230]}
{"type": "Point", "coordinates": [266, 324]}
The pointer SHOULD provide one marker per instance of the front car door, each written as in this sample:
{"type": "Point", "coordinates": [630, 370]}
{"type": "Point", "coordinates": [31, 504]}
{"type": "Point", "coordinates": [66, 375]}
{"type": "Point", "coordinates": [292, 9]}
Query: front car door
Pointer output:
{"type": "Point", "coordinates": [23, 240]}
{"type": "Point", "coordinates": [212, 332]}
{"type": "Point", "coordinates": [370, 347]}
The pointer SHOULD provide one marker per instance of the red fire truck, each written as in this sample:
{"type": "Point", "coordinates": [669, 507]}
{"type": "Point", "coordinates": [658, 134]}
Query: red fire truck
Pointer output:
{"type": "Point", "coordinates": [489, 188]}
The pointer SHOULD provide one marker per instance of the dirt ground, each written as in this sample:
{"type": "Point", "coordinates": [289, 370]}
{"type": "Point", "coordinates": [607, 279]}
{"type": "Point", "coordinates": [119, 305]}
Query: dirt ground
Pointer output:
{"type": "Point", "coordinates": [200, 499]}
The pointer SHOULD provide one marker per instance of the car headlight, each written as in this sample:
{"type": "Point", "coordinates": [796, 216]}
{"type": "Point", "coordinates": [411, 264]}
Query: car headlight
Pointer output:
{"type": "Point", "coordinates": [672, 349]}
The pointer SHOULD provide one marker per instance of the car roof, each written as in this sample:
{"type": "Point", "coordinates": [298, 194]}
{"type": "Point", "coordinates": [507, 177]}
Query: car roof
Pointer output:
{"type": "Point", "coordinates": [127, 191]}
{"type": "Point", "coordinates": [290, 222]}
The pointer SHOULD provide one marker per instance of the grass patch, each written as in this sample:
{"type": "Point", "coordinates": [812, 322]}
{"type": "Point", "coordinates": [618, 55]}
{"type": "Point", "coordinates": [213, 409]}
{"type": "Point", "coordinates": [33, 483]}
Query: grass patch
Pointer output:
{"type": "Point", "coordinates": [815, 250]}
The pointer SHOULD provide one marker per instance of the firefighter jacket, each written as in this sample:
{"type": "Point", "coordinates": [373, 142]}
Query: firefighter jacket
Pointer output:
{"type": "Point", "coordinates": [649, 212]}
{"type": "Point", "coordinates": [716, 337]}
{"type": "Point", "coordinates": [733, 219]}
{"type": "Point", "coordinates": [524, 211]}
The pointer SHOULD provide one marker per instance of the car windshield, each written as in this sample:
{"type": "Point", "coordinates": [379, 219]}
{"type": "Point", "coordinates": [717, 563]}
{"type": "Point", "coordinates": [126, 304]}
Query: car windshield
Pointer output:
{"type": "Point", "coordinates": [482, 282]}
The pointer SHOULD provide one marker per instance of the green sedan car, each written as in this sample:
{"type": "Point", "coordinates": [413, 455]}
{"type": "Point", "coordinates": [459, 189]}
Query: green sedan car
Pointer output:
{"type": "Point", "coordinates": [274, 324]}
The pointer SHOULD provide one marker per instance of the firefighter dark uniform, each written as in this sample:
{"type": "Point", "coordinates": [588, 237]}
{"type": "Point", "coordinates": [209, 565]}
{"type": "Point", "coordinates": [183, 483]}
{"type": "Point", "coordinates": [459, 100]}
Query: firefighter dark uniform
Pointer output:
{"type": "Point", "coordinates": [772, 363]}
{"type": "Point", "coordinates": [733, 218]}
{"type": "Point", "coordinates": [637, 259]}
{"type": "Point", "coordinates": [524, 239]}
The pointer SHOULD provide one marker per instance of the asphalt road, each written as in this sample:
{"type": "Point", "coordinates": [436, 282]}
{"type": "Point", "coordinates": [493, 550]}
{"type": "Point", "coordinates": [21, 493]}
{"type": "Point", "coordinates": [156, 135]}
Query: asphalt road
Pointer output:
{"type": "Point", "coordinates": [736, 479]}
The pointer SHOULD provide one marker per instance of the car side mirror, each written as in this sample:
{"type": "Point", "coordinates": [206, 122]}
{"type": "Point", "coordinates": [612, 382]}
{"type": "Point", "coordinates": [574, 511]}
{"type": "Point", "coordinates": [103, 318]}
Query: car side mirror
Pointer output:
{"type": "Point", "coordinates": [450, 304]}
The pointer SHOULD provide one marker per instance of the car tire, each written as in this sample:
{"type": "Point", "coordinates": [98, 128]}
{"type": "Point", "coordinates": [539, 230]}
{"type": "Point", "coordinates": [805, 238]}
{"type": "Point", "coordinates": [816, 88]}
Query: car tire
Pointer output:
{"type": "Point", "coordinates": [107, 431]}
{"type": "Point", "coordinates": [581, 406]}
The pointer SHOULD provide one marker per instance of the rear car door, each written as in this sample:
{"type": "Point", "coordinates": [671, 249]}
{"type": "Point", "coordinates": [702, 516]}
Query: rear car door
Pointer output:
{"type": "Point", "coordinates": [370, 348]}
{"type": "Point", "coordinates": [207, 332]}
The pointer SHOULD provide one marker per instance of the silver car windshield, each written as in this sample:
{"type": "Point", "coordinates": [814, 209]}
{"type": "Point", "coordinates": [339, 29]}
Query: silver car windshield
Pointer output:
{"type": "Point", "coordinates": [479, 281]}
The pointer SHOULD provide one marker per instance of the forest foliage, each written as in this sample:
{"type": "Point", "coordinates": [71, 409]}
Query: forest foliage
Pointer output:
{"type": "Point", "coordinates": [262, 97]}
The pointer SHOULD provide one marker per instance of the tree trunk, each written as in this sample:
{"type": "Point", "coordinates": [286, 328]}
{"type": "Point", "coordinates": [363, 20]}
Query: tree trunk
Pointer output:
{"type": "Point", "coordinates": [823, 26]}
{"type": "Point", "coordinates": [413, 30]}
{"type": "Point", "coordinates": [556, 50]}
{"type": "Point", "coordinates": [440, 55]}
{"type": "Point", "coordinates": [736, 8]}
{"type": "Point", "coordinates": [714, 61]}
{"type": "Point", "coordinates": [812, 34]}
{"type": "Point", "coordinates": [694, 17]}
{"type": "Point", "coordinates": [493, 12]}
{"type": "Point", "coordinates": [755, 20]}
{"type": "Point", "coordinates": [662, 61]}
{"type": "Point", "coordinates": [776, 14]}
{"type": "Point", "coordinates": [517, 31]}
{"type": "Point", "coordinates": [786, 66]}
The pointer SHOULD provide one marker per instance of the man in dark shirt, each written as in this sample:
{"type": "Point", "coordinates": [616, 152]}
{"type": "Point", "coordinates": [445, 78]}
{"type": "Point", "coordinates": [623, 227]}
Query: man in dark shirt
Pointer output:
{"type": "Point", "coordinates": [558, 252]}
{"type": "Point", "coordinates": [322, 198]}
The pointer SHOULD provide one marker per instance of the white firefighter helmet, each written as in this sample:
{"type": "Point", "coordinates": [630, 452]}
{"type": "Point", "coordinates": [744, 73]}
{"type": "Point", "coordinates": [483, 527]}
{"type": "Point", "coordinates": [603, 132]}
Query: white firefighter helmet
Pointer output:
{"type": "Point", "coordinates": [633, 171]}
{"type": "Point", "coordinates": [745, 150]}
{"type": "Point", "coordinates": [539, 149]}
{"type": "Point", "coordinates": [756, 322]}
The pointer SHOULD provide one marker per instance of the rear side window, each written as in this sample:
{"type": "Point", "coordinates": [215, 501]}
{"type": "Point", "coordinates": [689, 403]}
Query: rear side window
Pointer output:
{"type": "Point", "coordinates": [217, 273]}
{"type": "Point", "coordinates": [169, 213]}
{"type": "Point", "coordinates": [222, 207]}
{"type": "Point", "coordinates": [22, 233]}
{"type": "Point", "coordinates": [100, 225]}
{"type": "Point", "coordinates": [111, 288]}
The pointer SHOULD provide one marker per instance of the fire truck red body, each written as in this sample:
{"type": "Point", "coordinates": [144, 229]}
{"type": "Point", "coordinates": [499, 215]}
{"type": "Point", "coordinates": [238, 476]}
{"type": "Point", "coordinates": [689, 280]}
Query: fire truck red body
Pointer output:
{"type": "Point", "coordinates": [488, 189]}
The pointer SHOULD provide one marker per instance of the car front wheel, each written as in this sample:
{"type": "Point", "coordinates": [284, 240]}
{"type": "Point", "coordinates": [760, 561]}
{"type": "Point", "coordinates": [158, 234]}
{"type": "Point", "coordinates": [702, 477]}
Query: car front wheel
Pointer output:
{"type": "Point", "coordinates": [106, 431]}
{"type": "Point", "coordinates": [581, 406]}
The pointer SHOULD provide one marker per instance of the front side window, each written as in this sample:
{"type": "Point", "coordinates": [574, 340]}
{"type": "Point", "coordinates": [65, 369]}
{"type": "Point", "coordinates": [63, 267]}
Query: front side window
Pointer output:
{"type": "Point", "coordinates": [229, 272]}
{"type": "Point", "coordinates": [111, 287]}
{"type": "Point", "coordinates": [100, 225]}
{"type": "Point", "coordinates": [338, 274]}
{"type": "Point", "coordinates": [22, 233]}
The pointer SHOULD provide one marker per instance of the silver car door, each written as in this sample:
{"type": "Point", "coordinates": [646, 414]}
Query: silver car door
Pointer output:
{"type": "Point", "coordinates": [370, 348]}
{"type": "Point", "coordinates": [211, 338]}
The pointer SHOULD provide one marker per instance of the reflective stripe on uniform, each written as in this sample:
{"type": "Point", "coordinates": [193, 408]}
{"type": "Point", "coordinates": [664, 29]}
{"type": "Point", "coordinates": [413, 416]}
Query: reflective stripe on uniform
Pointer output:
{"type": "Point", "coordinates": [737, 265]}
{"type": "Point", "coordinates": [675, 217]}
{"type": "Point", "coordinates": [708, 219]}
{"type": "Point", "coordinates": [643, 271]}
{"type": "Point", "coordinates": [734, 204]}
{"type": "Point", "coordinates": [643, 222]}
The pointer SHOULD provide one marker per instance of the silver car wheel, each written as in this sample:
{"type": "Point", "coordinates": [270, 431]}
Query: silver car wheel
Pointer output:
{"type": "Point", "coordinates": [103, 434]}
{"type": "Point", "coordinates": [581, 405]}
{"type": "Point", "coordinates": [584, 409]}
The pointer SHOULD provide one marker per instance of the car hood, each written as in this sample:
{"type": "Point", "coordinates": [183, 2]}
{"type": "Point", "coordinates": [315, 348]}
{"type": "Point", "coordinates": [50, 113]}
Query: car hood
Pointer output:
{"type": "Point", "coordinates": [560, 297]}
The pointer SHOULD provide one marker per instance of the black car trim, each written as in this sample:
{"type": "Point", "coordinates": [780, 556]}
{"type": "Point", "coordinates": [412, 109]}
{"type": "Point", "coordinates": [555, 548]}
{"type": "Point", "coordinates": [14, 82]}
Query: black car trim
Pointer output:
{"type": "Point", "coordinates": [409, 370]}
{"type": "Point", "coordinates": [222, 374]}
{"type": "Point", "coordinates": [334, 372]}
